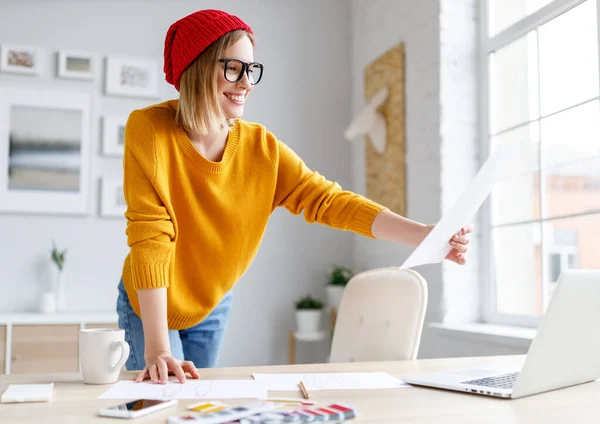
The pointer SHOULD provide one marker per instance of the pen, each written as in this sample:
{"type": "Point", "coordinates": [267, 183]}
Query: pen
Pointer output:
{"type": "Point", "coordinates": [303, 390]}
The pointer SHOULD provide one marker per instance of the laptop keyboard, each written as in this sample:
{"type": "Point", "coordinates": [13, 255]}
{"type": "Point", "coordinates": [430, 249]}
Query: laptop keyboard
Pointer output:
{"type": "Point", "coordinates": [506, 381]}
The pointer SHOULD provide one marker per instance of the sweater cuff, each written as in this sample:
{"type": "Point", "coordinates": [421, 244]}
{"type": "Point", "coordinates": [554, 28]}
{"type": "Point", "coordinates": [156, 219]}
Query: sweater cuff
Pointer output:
{"type": "Point", "coordinates": [364, 217]}
{"type": "Point", "coordinates": [150, 276]}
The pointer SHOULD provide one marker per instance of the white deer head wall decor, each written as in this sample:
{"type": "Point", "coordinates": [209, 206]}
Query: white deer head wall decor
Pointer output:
{"type": "Point", "coordinates": [371, 122]}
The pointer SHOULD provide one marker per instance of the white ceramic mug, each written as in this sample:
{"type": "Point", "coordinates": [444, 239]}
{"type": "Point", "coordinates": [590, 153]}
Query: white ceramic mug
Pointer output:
{"type": "Point", "coordinates": [102, 353]}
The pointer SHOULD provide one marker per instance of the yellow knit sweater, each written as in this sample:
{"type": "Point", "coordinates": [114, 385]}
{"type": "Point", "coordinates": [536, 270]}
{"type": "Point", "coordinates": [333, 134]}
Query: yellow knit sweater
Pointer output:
{"type": "Point", "coordinates": [194, 226]}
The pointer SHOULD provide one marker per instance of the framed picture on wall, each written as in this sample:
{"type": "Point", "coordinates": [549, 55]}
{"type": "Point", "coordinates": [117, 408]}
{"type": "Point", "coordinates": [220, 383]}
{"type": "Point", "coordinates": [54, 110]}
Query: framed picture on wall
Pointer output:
{"type": "Point", "coordinates": [131, 76]}
{"type": "Point", "coordinates": [44, 151]}
{"type": "Point", "coordinates": [112, 199]}
{"type": "Point", "coordinates": [113, 135]}
{"type": "Point", "coordinates": [76, 65]}
{"type": "Point", "coordinates": [19, 59]}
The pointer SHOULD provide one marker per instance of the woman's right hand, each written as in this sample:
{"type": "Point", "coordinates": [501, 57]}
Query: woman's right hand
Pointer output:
{"type": "Point", "coordinates": [158, 366]}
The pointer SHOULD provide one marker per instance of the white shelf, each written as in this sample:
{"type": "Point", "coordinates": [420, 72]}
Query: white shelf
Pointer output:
{"type": "Point", "coordinates": [37, 318]}
{"type": "Point", "coordinates": [310, 337]}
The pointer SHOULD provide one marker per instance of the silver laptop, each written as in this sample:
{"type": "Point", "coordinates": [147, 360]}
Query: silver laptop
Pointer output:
{"type": "Point", "coordinates": [565, 351]}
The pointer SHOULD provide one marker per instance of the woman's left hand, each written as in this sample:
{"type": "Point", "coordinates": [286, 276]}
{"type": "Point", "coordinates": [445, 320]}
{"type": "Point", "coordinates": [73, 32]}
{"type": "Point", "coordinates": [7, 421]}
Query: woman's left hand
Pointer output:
{"type": "Point", "coordinates": [459, 242]}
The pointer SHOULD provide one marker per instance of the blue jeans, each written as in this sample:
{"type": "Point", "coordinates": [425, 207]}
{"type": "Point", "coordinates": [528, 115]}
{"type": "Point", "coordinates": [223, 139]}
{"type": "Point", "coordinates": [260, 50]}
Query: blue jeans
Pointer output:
{"type": "Point", "coordinates": [199, 344]}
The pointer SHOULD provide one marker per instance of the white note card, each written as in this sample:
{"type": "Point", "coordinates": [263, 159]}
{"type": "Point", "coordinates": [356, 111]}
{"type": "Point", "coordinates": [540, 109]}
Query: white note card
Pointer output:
{"type": "Point", "coordinates": [27, 393]}
{"type": "Point", "coordinates": [191, 389]}
{"type": "Point", "coordinates": [331, 381]}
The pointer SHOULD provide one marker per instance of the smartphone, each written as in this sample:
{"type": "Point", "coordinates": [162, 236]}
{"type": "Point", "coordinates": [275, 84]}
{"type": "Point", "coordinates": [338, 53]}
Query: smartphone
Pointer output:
{"type": "Point", "coordinates": [136, 408]}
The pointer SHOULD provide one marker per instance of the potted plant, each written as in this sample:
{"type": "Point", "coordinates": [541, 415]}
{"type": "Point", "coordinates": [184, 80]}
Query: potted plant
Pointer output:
{"type": "Point", "coordinates": [308, 314]}
{"type": "Point", "coordinates": [58, 258]}
{"type": "Point", "coordinates": [337, 278]}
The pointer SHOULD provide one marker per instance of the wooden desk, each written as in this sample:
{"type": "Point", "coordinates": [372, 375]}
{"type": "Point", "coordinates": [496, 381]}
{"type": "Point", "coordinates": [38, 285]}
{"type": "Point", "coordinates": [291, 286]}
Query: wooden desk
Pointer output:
{"type": "Point", "coordinates": [74, 402]}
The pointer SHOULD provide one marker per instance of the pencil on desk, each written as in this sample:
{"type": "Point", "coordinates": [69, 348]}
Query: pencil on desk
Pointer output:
{"type": "Point", "coordinates": [303, 390]}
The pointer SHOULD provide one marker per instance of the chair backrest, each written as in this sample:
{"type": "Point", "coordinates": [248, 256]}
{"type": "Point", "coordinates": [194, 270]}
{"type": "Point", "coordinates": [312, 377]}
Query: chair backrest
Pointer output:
{"type": "Point", "coordinates": [380, 317]}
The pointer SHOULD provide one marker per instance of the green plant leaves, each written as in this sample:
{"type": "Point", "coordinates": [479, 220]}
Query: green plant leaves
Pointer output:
{"type": "Point", "coordinates": [339, 276]}
{"type": "Point", "coordinates": [57, 256]}
{"type": "Point", "coordinates": [308, 302]}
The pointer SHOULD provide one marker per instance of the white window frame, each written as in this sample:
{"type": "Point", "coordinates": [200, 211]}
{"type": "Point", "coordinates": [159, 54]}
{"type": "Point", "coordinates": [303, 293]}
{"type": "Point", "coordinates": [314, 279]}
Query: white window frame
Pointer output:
{"type": "Point", "coordinates": [488, 45]}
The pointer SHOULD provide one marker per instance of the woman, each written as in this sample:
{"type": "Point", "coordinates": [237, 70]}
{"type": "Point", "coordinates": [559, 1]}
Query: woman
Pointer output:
{"type": "Point", "coordinates": [200, 185]}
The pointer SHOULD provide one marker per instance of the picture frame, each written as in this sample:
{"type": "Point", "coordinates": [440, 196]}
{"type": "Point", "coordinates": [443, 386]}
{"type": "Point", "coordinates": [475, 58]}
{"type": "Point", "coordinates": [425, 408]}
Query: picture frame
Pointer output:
{"type": "Point", "coordinates": [19, 59]}
{"type": "Point", "coordinates": [79, 65]}
{"type": "Point", "coordinates": [113, 135]}
{"type": "Point", "coordinates": [132, 77]}
{"type": "Point", "coordinates": [112, 199]}
{"type": "Point", "coordinates": [44, 167]}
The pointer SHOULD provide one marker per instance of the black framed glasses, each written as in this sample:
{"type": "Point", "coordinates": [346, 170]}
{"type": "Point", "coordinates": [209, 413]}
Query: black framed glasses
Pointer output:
{"type": "Point", "coordinates": [234, 69]}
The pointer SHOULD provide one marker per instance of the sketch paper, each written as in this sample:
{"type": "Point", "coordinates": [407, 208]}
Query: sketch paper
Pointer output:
{"type": "Point", "coordinates": [330, 381]}
{"type": "Point", "coordinates": [434, 248]}
{"type": "Point", "coordinates": [191, 389]}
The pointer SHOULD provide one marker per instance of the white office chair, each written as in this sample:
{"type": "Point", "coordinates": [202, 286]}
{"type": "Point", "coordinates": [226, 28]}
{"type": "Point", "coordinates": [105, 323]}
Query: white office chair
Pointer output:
{"type": "Point", "coordinates": [380, 317]}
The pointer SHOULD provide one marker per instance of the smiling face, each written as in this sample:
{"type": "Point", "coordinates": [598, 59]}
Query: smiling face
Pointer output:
{"type": "Point", "coordinates": [206, 98]}
{"type": "Point", "coordinates": [232, 95]}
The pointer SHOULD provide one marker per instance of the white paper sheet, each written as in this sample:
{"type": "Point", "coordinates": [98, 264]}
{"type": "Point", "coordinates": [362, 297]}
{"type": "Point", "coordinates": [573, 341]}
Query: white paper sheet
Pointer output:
{"type": "Point", "coordinates": [434, 248]}
{"type": "Point", "coordinates": [191, 389]}
{"type": "Point", "coordinates": [330, 381]}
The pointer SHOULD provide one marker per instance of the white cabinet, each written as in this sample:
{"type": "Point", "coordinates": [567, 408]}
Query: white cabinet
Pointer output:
{"type": "Point", "coordinates": [34, 343]}
{"type": "Point", "coordinates": [2, 348]}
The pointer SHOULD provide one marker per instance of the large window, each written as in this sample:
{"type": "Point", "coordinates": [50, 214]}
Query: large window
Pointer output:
{"type": "Point", "coordinates": [540, 90]}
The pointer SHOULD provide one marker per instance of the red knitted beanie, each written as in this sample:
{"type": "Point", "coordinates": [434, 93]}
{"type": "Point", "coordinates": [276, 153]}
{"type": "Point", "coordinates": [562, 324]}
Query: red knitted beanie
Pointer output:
{"type": "Point", "coordinates": [191, 35]}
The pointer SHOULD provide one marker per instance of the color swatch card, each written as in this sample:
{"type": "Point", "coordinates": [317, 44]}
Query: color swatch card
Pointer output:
{"type": "Point", "coordinates": [330, 381]}
{"type": "Point", "coordinates": [208, 406]}
{"type": "Point", "coordinates": [332, 413]}
{"type": "Point", "coordinates": [226, 415]}
{"type": "Point", "coordinates": [191, 389]}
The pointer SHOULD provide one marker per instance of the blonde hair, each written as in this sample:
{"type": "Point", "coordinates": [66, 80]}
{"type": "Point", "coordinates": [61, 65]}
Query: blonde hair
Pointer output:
{"type": "Point", "coordinates": [199, 109]}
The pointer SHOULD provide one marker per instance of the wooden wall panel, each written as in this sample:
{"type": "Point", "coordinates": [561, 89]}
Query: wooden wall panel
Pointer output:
{"type": "Point", "coordinates": [386, 172]}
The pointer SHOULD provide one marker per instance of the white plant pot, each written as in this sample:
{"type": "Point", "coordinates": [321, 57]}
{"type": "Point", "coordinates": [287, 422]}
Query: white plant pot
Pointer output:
{"type": "Point", "coordinates": [334, 296]}
{"type": "Point", "coordinates": [48, 303]}
{"type": "Point", "coordinates": [308, 320]}
{"type": "Point", "coordinates": [59, 290]}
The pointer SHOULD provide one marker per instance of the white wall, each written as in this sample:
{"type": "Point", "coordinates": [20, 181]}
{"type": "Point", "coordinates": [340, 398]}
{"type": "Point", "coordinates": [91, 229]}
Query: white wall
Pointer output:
{"type": "Point", "coordinates": [304, 98]}
{"type": "Point", "coordinates": [378, 25]}
{"type": "Point", "coordinates": [459, 148]}
{"type": "Point", "coordinates": [442, 154]}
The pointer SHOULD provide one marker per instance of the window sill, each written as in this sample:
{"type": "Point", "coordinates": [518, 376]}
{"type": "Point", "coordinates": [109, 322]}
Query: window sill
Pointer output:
{"type": "Point", "coordinates": [483, 332]}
